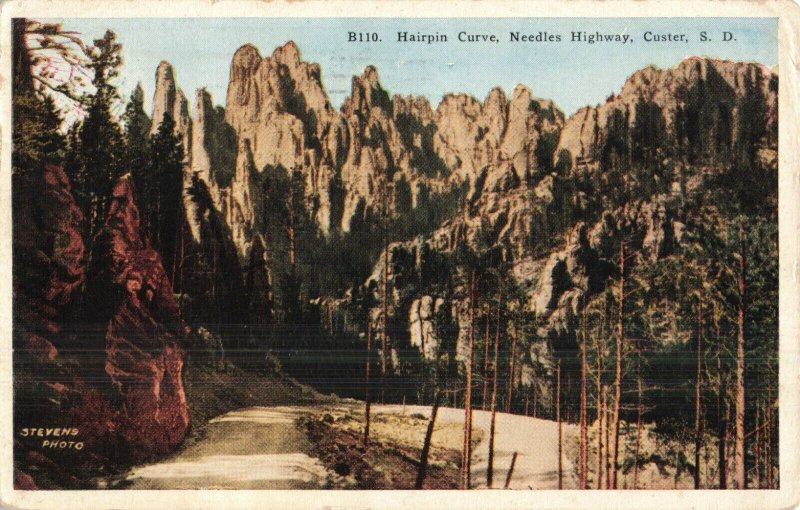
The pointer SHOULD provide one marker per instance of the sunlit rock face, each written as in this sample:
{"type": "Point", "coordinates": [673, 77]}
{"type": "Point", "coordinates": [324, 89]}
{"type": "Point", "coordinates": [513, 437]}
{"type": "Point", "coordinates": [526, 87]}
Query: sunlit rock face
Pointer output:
{"type": "Point", "coordinates": [511, 152]}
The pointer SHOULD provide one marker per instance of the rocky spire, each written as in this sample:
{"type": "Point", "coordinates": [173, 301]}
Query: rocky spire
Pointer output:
{"type": "Point", "coordinates": [168, 99]}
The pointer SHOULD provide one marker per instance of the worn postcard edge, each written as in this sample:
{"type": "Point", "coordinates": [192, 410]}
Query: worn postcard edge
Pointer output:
{"type": "Point", "coordinates": [788, 13]}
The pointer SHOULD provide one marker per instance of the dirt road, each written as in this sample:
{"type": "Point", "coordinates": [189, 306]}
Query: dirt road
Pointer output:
{"type": "Point", "coordinates": [261, 448]}
{"type": "Point", "coordinates": [254, 448]}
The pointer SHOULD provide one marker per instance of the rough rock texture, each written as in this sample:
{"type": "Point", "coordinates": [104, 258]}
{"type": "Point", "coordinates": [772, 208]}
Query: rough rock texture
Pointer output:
{"type": "Point", "coordinates": [496, 142]}
{"type": "Point", "coordinates": [49, 272]}
{"type": "Point", "coordinates": [145, 333]}
{"type": "Point", "coordinates": [422, 327]}
{"type": "Point", "coordinates": [506, 150]}
{"type": "Point", "coordinates": [168, 99]}
{"type": "Point", "coordinates": [108, 362]}
{"type": "Point", "coordinates": [49, 259]}
{"type": "Point", "coordinates": [666, 88]}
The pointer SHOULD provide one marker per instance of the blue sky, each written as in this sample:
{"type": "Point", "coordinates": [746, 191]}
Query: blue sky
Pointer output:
{"type": "Point", "coordinates": [572, 74]}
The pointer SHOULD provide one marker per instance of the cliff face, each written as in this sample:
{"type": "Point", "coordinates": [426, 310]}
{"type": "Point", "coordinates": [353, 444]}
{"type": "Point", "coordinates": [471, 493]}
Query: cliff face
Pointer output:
{"type": "Point", "coordinates": [523, 169]}
{"type": "Point", "coordinates": [144, 339]}
{"type": "Point", "coordinates": [669, 90]}
{"type": "Point", "coordinates": [355, 158]}
{"type": "Point", "coordinates": [107, 362]}
{"type": "Point", "coordinates": [530, 167]}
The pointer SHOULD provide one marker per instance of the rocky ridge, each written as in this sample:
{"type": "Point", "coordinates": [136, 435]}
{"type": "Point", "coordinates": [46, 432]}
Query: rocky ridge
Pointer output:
{"type": "Point", "coordinates": [510, 153]}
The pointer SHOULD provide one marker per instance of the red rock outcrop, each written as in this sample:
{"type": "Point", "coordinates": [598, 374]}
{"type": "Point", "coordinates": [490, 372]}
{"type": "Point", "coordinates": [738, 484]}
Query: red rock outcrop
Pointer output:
{"type": "Point", "coordinates": [49, 272]}
{"type": "Point", "coordinates": [144, 334]}
{"type": "Point", "coordinates": [107, 363]}
{"type": "Point", "coordinates": [49, 258]}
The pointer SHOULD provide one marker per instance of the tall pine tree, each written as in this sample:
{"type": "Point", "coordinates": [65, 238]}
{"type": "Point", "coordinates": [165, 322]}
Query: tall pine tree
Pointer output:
{"type": "Point", "coordinates": [100, 160]}
{"type": "Point", "coordinates": [137, 138]}
{"type": "Point", "coordinates": [161, 195]}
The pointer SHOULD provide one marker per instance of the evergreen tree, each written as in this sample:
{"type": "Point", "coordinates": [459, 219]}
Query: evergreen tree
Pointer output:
{"type": "Point", "coordinates": [137, 138]}
{"type": "Point", "coordinates": [162, 187]}
{"type": "Point", "coordinates": [101, 141]}
{"type": "Point", "coordinates": [35, 138]}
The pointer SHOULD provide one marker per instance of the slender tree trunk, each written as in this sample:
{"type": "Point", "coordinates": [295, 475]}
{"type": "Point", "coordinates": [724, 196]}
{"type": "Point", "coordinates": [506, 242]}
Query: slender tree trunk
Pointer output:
{"type": "Point", "coordinates": [768, 452]}
{"type": "Point", "coordinates": [486, 360]}
{"type": "Point", "coordinates": [698, 383]}
{"type": "Point", "coordinates": [511, 369]}
{"type": "Point", "coordinates": [510, 471]}
{"type": "Point", "coordinates": [385, 309]}
{"type": "Point", "coordinates": [600, 421]}
{"type": "Point", "coordinates": [741, 481]}
{"type": "Point", "coordinates": [584, 432]}
{"type": "Point", "coordinates": [638, 432]}
{"type": "Point", "coordinates": [180, 271]}
{"type": "Point", "coordinates": [722, 427]}
{"type": "Point", "coordinates": [426, 446]}
{"type": "Point", "coordinates": [758, 445]}
{"type": "Point", "coordinates": [618, 367]}
{"type": "Point", "coordinates": [606, 397]}
{"type": "Point", "coordinates": [535, 400]}
{"type": "Point", "coordinates": [490, 466]}
{"type": "Point", "coordinates": [728, 433]}
{"type": "Point", "coordinates": [466, 463]}
{"type": "Point", "coordinates": [366, 382]}
{"type": "Point", "coordinates": [558, 418]}
{"type": "Point", "coordinates": [493, 403]}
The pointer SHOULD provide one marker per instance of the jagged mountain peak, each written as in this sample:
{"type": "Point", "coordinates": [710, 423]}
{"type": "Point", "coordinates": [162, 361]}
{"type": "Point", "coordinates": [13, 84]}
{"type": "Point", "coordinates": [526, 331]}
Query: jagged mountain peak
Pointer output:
{"type": "Point", "coordinates": [725, 82]}
{"type": "Point", "coordinates": [288, 54]}
{"type": "Point", "coordinates": [165, 71]}
{"type": "Point", "coordinates": [365, 92]}
{"type": "Point", "coordinates": [246, 57]}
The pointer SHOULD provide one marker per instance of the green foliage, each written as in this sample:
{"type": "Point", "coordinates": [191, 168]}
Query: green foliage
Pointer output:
{"type": "Point", "coordinates": [35, 137]}
{"type": "Point", "coordinates": [703, 124]}
{"type": "Point", "coordinates": [100, 161]}
{"type": "Point", "coordinates": [402, 196]}
{"type": "Point", "coordinates": [423, 156]}
{"type": "Point", "coordinates": [161, 203]}
{"type": "Point", "coordinates": [137, 139]}
{"type": "Point", "coordinates": [544, 153]}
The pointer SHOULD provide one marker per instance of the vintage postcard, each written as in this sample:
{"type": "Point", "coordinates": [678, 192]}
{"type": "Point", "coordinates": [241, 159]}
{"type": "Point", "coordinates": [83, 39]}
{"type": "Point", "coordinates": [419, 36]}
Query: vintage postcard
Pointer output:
{"type": "Point", "coordinates": [393, 254]}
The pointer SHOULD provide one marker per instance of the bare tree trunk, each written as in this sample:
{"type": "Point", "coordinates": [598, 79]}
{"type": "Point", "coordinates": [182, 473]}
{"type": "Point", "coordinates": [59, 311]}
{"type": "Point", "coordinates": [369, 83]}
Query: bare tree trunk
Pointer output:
{"type": "Point", "coordinates": [558, 418]}
{"type": "Point", "coordinates": [385, 307]}
{"type": "Point", "coordinates": [467, 455]}
{"type": "Point", "coordinates": [698, 383]}
{"type": "Point", "coordinates": [493, 402]}
{"type": "Point", "coordinates": [510, 471]}
{"type": "Point", "coordinates": [741, 481]}
{"type": "Point", "coordinates": [638, 432]}
{"type": "Point", "coordinates": [181, 264]}
{"type": "Point", "coordinates": [722, 427]}
{"type": "Point", "coordinates": [758, 446]}
{"type": "Point", "coordinates": [486, 359]}
{"type": "Point", "coordinates": [583, 440]}
{"type": "Point", "coordinates": [768, 445]}
{"type": "Point", "coordinates": [728, 433]}
{"type": "Point", "coordinates": [606, 397]}
{"type": "Point", "coordinates": [290, 231]}
{"type": "Point", "coordinates": [511, 369]}
{"type": "Point", "coordinates": [366, 382]}
{"type": "Point", "coordinates": [618, 367]}
{"type": "Point", "coordinates": [535, 400]}
{"type": "Point", "coordinates": [600, 421]}
{"type": "Point", "coordinates": [426, 446]}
